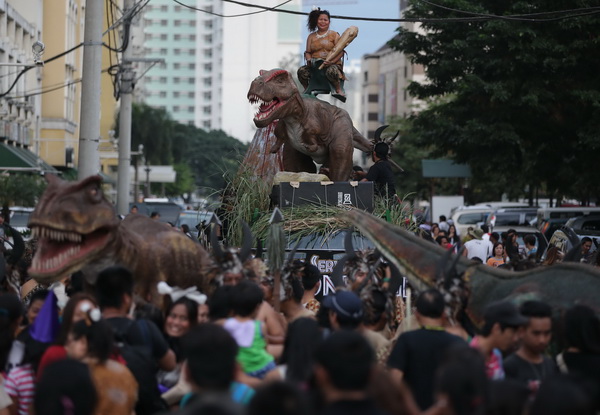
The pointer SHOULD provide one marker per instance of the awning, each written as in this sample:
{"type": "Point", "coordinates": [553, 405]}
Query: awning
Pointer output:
{"type": "Point", "coordinates": [20, 159]}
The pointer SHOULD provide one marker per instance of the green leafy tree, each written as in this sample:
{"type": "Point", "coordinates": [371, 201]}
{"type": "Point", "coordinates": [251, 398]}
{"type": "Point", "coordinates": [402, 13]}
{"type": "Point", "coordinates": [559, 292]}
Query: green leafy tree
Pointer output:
{"type": "Point", "coordinates": [20, 189]}
{"type": "Point", "coordinates": [517, 100]}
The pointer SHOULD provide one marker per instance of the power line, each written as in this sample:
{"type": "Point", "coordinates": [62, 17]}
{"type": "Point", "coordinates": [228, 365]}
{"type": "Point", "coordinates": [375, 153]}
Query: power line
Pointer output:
{"type": "Point", "coordinates": [233, 15]}
{"type": "Point", "coordinates": [476, 17]}
{"type": "Point", "coordinates": [51, 88]}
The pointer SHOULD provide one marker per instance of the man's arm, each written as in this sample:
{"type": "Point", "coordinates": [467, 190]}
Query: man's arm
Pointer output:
{"type": "Point", "coordinates": [396, 374]}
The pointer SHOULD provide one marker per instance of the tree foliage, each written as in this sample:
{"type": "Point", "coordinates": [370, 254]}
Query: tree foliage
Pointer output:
{"type": "Point", "coordinates": [200, 158]}
{"type": "Point", "coordinates": [518, 100]}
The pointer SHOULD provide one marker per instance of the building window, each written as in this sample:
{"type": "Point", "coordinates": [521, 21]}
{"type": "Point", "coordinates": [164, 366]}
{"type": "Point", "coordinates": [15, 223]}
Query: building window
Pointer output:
{"type": "Point", "coordinates": [177, 51]}
{"type": "Point", "coordinates": [191, 80]}
{"type": "Point", "coordinates": [207, 81]}
{"type": "Point", "coordinates": [191, 109]}
{"type": "Point", "coordinates": [163, 80]}
{"type": "Point", "coordinates": [191, 95]}
{"type": "Point", "coordinates": [175, 108]}
{"type": "Point", "coordinates": [207, 95]}
{"type": "Point", "coordinates": [405, 72]}
{"type": "Point", "coordinates": [191, 66]}
{"type": "Point", "coordinates": [177, 8]}
{"type": "Point", "coordinates": [206, 124]}
{"type": "Point", "coordinates": [163, 22]}
{"type": "Point", "coordinates": [176, 94]}
{"type": "Point", "coordinates": [163, 36]}
{"type": "Point", "coordinates": [176, 79]}
{"type": "Point", "coordinates": [208, 53]}
{"type": "Point", "coordinates": [162, 94]}
{"type": "Point", "coordinates": [373, 116]}
{"type": "Point", "coordinates": [208, 38]}
{"type": "Point", "coordinates": [176, 65]}
{"type": "Point", "coordinates": [148, 36]}
{"type": "Point", "coordinates": [373, 97]}
{"type": "Point", "coordinates": [405, 95]}
{"type": "Point", "coordinates": [177, 37]}
{"type": "Point", "coordinates": [192, 52]}
{"type": "Point", "coordinates": [163, 8]}
{"type": "Point", "coordinates": [208, 24]}
{"type": "Point", "coordinates": [207, 110]}
{"type": "Point", "coordinates": [177, 22]}
{"type": "Point", "coordinates": [192, 23]}
{"type": "Point", "coordinates": [163, 51]}
{"type": "Point", "coordinates": [193, 38]}
{"type": "Point", "coordinates": [366, 76]}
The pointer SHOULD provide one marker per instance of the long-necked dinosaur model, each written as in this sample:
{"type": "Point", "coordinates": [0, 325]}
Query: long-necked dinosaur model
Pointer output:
{"type": "Point", "coordinates": [78, 229]}
{"type": "Point", "coordinates": [561, 285]}
{"type": "Point", "coordinates": [309, 129]}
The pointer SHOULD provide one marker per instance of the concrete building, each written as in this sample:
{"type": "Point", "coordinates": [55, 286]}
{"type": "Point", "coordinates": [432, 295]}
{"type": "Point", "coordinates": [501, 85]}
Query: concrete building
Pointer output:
{"type": "Point", "coordinates": [386, 76]}
{"type": "Point", "coordinates": [210, 60]}
{"type": "Point", "coordinates": [20, 109]}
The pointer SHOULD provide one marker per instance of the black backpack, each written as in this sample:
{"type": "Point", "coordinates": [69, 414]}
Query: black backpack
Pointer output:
{"type": "Point", "coordinates": [139, 360]}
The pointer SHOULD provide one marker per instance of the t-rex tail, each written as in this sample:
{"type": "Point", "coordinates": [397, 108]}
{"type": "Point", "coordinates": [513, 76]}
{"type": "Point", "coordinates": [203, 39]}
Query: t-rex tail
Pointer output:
{"type": "Point", "coordinates": [361, 142]}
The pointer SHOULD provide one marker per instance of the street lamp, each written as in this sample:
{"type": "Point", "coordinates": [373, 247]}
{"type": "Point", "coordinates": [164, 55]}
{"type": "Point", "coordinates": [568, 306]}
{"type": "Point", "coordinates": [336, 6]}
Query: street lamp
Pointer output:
{"type": "Point", "coordinates": [38, 49]}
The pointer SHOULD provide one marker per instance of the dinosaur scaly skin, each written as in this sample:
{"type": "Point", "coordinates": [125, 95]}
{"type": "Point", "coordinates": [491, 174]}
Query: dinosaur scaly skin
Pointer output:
{"type": "Point", "coordinates": [311, 129]}
{"type": "Point", "coordinates": [78, 229]}
{"type": "Point", "coordinates": [561, 285]}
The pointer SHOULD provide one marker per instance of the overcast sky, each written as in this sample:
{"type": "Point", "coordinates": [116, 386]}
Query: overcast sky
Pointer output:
{"type": "Point", "coordinates": [371, 35]}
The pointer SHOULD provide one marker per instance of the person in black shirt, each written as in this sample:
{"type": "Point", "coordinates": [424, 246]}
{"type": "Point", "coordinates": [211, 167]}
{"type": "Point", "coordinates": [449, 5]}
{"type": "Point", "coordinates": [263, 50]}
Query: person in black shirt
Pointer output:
{"type": "Point", "coordinates": [381, 172]}
{"type": "Point", "coordinates": [528, 364]}
{"type": "Point", "coordinates": [418, 353]}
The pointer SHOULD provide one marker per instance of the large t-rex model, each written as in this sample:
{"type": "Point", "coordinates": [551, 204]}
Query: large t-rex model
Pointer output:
{"type": "Point", "coordinates": [311, 129]}
{"type": "Point", "coordinates": [78, 229]}
{"type": "Point", "coordinates": [561, 285]}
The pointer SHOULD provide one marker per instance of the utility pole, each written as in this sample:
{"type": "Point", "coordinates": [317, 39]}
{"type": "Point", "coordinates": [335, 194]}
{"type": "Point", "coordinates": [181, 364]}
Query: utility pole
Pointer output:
{"type": "Point", "coordinates": [89, 129]}
{"type": "Point", "coordinates": [126, 93]}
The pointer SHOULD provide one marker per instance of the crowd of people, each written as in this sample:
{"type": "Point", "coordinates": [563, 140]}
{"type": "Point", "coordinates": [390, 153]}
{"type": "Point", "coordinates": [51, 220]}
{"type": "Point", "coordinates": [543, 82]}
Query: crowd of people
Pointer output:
{"type": "Point", "coordinates": [243, 349]}
{"type": "Point", "coordinates": [502, 250]}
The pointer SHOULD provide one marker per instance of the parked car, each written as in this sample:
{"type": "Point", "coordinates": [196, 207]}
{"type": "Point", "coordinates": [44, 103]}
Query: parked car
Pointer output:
{"type": "Point", "coordinates": [512, 217]}
{"type": "Point", "coordinates": [472, 216]}
{"type": "Point", "coordinates": [551, 219]}
{"type": "Point", "coordinates": [169, 211]}
{"type": "Point", "coordinates": [19, 219]}
{"type": "Point", "coordinates": [541, 241]}
{"type": "Point", "coordinates": [580, 227]}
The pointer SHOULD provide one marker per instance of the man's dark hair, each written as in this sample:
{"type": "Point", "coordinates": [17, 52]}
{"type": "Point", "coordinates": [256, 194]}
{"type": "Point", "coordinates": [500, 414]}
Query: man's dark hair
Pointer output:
{"type": "Point", "coordinates": [536, 309]}
{"type": "Point", "coordinates": [442, 218]}
{"type": "Point", "coordinates": [529, 239]}
{"type": "Point", "coordinates": [211, 356]}
{"type": "Point", "coordinates": [112, 283]}
{"type": "Point", "coordinates": [154, 214]}
{"type": "Point", "coordinates": [65, 386]}
{"type": "Point", "coordinates": [278, 398]}
{"type": "Point", "coordinates": [99, 337]}
{"type": "Point", "coordinates": [245, 297]}
{"type": "Point", "coordinates": [381, 150]}
{"type": "Point", "coordinates": [219, 304]}
{"type": "Point", "coordinates": [485, 228]}
{"type": "Point", "coordinates": [586, 239]}
{"type": "Point", "coordinates": [39, 295]}
{"type": "Point", "coordinates": [310, 276]}
{"type": "Point", "coordinates": [430, 303]}
{"type": "Point", "coordinates": [297, 289]}
{"type": "Point", "coordinates": [347, 358]}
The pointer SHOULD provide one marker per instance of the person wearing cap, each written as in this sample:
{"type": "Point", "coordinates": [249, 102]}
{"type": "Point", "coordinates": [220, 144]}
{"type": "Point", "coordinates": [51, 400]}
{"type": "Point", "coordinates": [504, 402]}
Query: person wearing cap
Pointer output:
{"type": "Point", "coordinates": [345, 310]}
{"type": "Point", "coordinates": [417, 354]}
{"type": "Point", "coordinates": [381, 172]}
{"type": "Point", "coordinates": [502, 320]}
{"type": "Point", "coordinates": [476, 247]}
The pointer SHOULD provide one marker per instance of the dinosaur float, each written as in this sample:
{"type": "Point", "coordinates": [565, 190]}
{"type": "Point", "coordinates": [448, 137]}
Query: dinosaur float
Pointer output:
{"type": "Point", "coordinates": [475, 286]}
{"type": "Point", "coordinates": [308, 129]}
{"type": "Point", "coordinates": [78, 230]}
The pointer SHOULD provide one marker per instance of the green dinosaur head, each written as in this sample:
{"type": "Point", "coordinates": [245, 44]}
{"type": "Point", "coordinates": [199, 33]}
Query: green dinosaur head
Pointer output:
{"type": "Point", "coordinates": [73, 222]}
{"type": "Point", "coordinates": [273, 90]}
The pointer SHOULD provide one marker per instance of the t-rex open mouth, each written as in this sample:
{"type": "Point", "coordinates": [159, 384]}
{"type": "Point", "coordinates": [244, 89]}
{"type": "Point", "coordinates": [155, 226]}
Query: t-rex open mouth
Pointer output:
{"type": "Point", "coordinates": [59, 251]}
{"type": "Point", "coordinates": [266, 108]}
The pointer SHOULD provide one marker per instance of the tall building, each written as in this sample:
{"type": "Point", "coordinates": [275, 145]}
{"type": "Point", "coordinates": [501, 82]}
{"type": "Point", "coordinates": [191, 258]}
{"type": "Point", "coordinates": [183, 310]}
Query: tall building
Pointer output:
{"type": "Point", "coordinates": [386, 76]}
{"type": "Point", "coordinates": [169, 33]}
{"type": "Point", "coordinates": [211, 57]}
{"type": "Point", "coordinates": [20, 79]}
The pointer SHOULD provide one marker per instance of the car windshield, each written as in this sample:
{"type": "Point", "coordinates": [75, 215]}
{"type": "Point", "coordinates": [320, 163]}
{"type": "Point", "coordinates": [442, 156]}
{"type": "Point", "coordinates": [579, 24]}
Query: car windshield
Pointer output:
{"type": "Point", "coordinates": [19, 219]}
{"type": "Point", "coordinates": [192, 219]}
{"type": "Point", "coordinates": [472, 218]}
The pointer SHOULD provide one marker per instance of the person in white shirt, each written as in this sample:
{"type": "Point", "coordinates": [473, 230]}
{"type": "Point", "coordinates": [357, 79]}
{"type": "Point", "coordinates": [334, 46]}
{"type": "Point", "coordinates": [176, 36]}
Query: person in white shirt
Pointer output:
{"type": "Point", "coordinates": [477, 247]}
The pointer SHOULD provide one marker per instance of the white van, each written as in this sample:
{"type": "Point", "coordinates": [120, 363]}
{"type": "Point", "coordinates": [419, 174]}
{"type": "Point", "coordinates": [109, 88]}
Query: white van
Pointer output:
{"type": "Point", "coordinates": [470, 216]}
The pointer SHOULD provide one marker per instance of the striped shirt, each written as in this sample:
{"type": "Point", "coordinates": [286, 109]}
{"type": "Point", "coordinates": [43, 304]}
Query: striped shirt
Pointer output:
{"type": "Point", "coordinates": [20, 385]}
